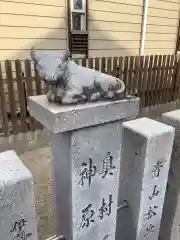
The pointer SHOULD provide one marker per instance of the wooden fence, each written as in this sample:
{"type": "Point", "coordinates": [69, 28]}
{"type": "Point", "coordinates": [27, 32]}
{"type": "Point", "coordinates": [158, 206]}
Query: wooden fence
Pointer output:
{"type": "Point", "coordinates": [155, 79]}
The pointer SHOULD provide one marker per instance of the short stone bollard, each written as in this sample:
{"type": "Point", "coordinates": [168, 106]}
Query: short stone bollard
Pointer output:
{"type": "Point", "coordinates": [17, 204]}
{"type": "Point", "coordinates": [170, 226]}
{"type": "Point", "coordinates": [146, 153]}
{"type": "Point", "coordinates": [86, 144]}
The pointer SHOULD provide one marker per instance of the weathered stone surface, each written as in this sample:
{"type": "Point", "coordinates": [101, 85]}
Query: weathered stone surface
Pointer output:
{"type": "Point", "coordinates": [86, 170]}
{"type": "Point", "coordinates": [17, 205]}
{"type": "Point", "coordinates": [86, 162]}
{"type": "Point", "coordinates": [59, 118]}
{"type": "Point", "coordinates": [146, 153]}
{"type": "Point", "coordinates": [170, 225]}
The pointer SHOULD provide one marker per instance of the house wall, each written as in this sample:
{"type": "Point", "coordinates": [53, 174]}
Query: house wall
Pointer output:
{"type": "Point", "coordinates": [162, 26]}
{"type": "Point", "coordinates": [114, 27]}
{"type": "Point", "coordinates": [27, 23]}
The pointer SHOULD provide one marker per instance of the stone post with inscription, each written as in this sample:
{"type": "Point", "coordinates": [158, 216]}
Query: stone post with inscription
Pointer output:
{"type": "Point", "coordinates": [170, 225]}
{"type": "Point", "coordinates": [146, 153]}
{"type": "Point", "coordinates": [86, 143]}
{"type": "Point", "coordinates": [17, 203]}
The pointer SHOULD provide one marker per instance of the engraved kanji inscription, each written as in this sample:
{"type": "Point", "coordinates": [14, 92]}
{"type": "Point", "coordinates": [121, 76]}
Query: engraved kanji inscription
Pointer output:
{"type": "Point", "coordinates": [88, 171]}
{"type": "Point", "coordinates": [151, 213]}
{"type": "Point", "coordinates": [155, 192]}
{"type": "Point", "coordinates": [105, 208]}
{"type": "Point", "coordinates": [87, 216]}
{"type": "Point", "coordinates": [19, 231]}
{"type": "Point", "coordinates": [107, 166]}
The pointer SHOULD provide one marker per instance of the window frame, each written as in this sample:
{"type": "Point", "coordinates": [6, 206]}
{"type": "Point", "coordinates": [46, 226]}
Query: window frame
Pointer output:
{"type": "Point", "coordinates": [78, 40]}
{"type": "Point", "coordinates": [80, 11]}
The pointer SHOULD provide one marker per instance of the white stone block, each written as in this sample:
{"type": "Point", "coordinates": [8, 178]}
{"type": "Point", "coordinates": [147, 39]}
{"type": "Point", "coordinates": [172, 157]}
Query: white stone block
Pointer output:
{"type": "Point", "coordinates": [170, 226]}
{"type": "Point", "coordinates": [86, 164]}
{"type": "Point", "coordinates": [60, 118]}
{"type": "Point", "coordinates": [17, 205]}
{"type": "Point", "coordinates": [146, 153]}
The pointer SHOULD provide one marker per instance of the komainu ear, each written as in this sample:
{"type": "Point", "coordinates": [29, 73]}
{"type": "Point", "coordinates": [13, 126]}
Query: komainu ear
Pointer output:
{"type": "Point", "coordinates": [65, 56]}
{"type": "Point", "coordinates": [34, 55]}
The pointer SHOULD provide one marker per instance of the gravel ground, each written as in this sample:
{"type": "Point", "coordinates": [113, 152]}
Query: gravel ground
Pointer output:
{"type": "Point", "coordinates": [39, 163]}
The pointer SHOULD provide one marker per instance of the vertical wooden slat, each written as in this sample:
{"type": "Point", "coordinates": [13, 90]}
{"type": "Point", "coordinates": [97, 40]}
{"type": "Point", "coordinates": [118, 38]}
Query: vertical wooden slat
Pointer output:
{"type": "Point", "coordinates": [126, 65]}
{"type": "Point", "coordinates": [131, 72]}
{"type": "Point", "coordinates": [158, 78]}
{"type": "Point", "coordinates": [29, 81]}
{"type": "Point", "coordinates": [162, 78]}
{"type": "Point", "coordinates": [84, 62]}
{"type": "Point", "coordinates": [115, 73]}
{"type": "Point", "coordinates": [153, 82]}
{"type": "Point", "coordinates": [121, 68]}
{"type": "Point", "coordinates": [97, 64]}
{"type": "Point", "coordinates": [90, 63]}
{"type": "Point", "coordinates": [5, 123]}
{"type": "Point", "coordinates": [109, 65]}
{"type": "Point", "coordinates": [172, 76]}
{"type": "Point", "coordinates": [37, 81]}
{"type": "Point", "coordinates": [22, 96]}
{"type": "Point", "coordinates": [12, 102]}
{"type": "Point", "coordinates": [144, 82]}
{"type": "Point", "coordinates": [37, 124]}
{"type": "Point", "coordinates": [148, 93]}
{"type": "Point", "coordinates": [176, 86]}
{"type": "Point", "coordinates": [165, 83]}
{"type": "Point", "coordinates": [103, 65]}
{"type": "Point", "coordinates": [136, 76]}
{"type": "Point", "coordinates": [141, 73]}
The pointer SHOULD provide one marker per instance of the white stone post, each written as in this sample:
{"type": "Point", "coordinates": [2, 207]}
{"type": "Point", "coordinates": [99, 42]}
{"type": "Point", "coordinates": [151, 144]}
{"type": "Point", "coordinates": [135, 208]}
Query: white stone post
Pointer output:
{"type": "Point", "coordinates": [17, 204]}
{"type": "Point", "coordinates": [146, 153]}
{"type": "Point", "coordinates": [86, 145]}
{"type": "Point", "coordinates": [170, 226]}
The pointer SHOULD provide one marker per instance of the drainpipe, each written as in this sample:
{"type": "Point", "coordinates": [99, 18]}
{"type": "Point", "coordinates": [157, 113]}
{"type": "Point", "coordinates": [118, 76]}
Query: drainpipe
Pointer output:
{"type": "Point", "coordinates": [143, 29]}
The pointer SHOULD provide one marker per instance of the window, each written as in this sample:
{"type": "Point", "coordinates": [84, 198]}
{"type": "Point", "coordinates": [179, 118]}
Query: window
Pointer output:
{"type": "Point", "coordinates": [78, 15]}
{"type": "Point", "coordinates": [78, 34]}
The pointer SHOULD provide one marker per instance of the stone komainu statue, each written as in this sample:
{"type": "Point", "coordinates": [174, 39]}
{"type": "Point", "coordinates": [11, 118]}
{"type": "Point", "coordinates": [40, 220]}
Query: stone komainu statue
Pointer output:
{"type": "Point", "coordinates": [69, 83]}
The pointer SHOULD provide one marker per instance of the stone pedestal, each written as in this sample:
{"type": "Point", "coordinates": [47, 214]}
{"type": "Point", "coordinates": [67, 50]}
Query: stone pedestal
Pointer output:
{"type": "Point", "coordinates": [17, 204]}
{"type": "Point", "coordinates": [86, 146]}
{"type": "Point", "coordinates": [146, 153]}
{"type": "Point", "coordinates": [170, 226]}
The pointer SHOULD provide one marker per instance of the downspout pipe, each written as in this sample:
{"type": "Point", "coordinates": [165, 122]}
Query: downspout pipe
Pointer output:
{"type": "Point", "coordinates": [143, 28]}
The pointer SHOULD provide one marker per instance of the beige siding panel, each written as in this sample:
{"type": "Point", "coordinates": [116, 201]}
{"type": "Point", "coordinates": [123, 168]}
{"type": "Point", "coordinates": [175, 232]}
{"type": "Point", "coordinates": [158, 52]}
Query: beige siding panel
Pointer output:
{"type": "Point", "coordinates": [32, 21]}
{"type": "Point", "coordinates": [161, 37]}
{"type": "Point", "coordinates": [32, 33]}
{"type": "Point", "coordinates": [14, 54]}
{"type": "Point", "coordinates": [32, 9]}
{"type": "Point", "coordinates": [117, 27]}
{"type": "Point", "coordinates": [42, 2]}
{"type": "Point", "coordinates": [114, 17]}
{"type": "Point", "coordinates": [102, 35]}
{"type": "Point", "coordinates": [128, 2]}
{"type": "Point", "coordinates": [164, 5]}
{"type": "Point", "coordinates": [159, 51]}
{"type": "Point", "coordinates": [163, 13]}
{"type": "Point", "coordinates": [115, 7]}
{"type": "Point", "coordinates": [160, 45]}
{"type": "Point", "coordinates": [28, 43]}
{"type": "Point", "coordinates": [107, 45]}
{"type": "Point", "coordinates": [161, 29]}
{"type": "Point", "coordinates": [162, 21]}
{"type": "Point", "coordinates": [113, 53]}
{"type": "Point", "coordinates": [172, 1]}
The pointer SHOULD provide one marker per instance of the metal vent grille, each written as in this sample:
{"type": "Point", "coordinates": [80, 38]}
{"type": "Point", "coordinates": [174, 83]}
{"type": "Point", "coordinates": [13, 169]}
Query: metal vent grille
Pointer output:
{"type": "Point", "coordinates": [79, 43]}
